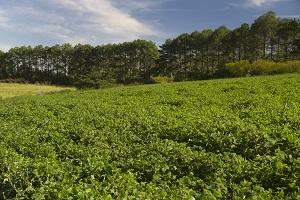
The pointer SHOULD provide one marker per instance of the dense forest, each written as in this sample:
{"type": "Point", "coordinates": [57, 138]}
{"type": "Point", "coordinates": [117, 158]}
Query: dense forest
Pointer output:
{"type": "Point", "coordinates": [195, 56]}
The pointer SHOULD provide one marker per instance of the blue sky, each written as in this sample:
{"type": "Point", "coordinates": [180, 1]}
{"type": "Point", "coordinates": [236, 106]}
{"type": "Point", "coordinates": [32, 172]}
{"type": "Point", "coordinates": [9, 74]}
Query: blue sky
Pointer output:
{"type": "Point", "coordinates": [49, 22]}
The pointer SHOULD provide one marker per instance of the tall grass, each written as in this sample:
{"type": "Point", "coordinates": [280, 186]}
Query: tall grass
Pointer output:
{"type": "Point", "coordinates": [262, 67]}
{"type": "Point", "coordinates": [8, 90]}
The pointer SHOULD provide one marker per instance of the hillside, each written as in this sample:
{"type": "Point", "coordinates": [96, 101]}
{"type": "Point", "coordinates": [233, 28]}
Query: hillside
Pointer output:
{"type": "Point", "coordinates": [219, 139]}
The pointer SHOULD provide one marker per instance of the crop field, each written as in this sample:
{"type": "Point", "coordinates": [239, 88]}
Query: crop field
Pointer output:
{"type": "Point", "coordinates": [218, 139]}
{"type": "Point", "coordinates": [8, 90]}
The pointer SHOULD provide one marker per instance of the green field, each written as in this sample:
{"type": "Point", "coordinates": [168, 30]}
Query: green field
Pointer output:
{"type": "Point", "coordinates": [8, 90]}
{"type": "Point", "coordinates": [219, 139]}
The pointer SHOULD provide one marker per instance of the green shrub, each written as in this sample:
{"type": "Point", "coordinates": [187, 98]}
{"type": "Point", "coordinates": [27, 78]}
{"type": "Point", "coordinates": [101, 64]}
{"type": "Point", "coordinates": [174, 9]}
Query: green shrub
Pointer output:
{"type": "Point", "coordinates": [262, 67]}
{"type": "Point", "coordinates": [162, 79]}
{"type": "Point", "coordinates": [293, 66]}
{"type": "Point", "coordinates": [241, 68]}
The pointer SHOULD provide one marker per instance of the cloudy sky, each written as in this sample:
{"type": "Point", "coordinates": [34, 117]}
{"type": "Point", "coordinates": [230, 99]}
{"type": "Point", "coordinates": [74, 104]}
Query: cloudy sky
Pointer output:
{"type": "Point", "coordinates": [49, 22]}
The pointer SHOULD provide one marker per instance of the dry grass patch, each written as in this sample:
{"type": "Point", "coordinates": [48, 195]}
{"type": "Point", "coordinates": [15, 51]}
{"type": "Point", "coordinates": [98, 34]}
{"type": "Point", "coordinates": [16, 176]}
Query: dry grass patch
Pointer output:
{"type": "Point", "coordinates": [8, 90]}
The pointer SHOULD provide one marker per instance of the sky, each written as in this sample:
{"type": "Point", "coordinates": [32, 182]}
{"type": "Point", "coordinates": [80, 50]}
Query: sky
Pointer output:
{"type": "Point", "coordinates": [96, 22]}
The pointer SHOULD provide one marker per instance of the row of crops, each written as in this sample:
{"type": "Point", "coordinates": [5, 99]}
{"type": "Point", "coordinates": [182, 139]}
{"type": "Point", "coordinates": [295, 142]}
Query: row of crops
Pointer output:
{"type": "Point", "coordinates": [221, 139]}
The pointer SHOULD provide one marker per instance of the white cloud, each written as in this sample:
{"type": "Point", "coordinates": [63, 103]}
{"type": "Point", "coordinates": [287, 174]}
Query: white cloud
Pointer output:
{"type": "Point", "coordinates": [5, 47]}
{"type": "Point", "coordinates": [3, 19]}
{"type": "Point", "coordinates": [290, 16]}
{"type": "Point", "coordinates": [250, 4]}
{"type": "Point", "coordinates": [141, 5]}
{"type": "Point", "coordinates": [77, 21]}
{"type": "Point", "coordinates": [259, 3]}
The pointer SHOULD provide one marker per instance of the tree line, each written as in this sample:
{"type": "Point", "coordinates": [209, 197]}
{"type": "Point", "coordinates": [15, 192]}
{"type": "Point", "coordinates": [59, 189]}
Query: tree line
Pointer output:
{"type": "Point", "coordinates": [81, 65]}
{"type": "Point", "coordinates": [199, 55]}
{"type": "Point", "coordinates": [202, 55]}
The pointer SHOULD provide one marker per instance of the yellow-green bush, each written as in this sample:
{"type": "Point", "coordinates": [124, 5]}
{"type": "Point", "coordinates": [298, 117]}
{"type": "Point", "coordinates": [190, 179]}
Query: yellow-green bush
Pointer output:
{"type": "Point", "coordinates": [241, 68]}
{"type": "Point", "coordinates": [293, 66]}
{"type": "Point", "coordinates": [262, 67]}
{"type": "Point", "coordinates": [162, 79]}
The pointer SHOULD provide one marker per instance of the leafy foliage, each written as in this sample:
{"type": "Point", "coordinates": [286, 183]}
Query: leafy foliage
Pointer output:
{"type": "Point", "coordinates": [189, 56]}
{"type": "Point", "coordinates": [221, 139]}
{"type": "Point", "coordinates": [203, 54]}
{"type": "Point", "coordinates": [262, 67]}
{"type": "Point", "coordinates": [82, 65]}
{"type": "Point", "coordinates": [162, 79]}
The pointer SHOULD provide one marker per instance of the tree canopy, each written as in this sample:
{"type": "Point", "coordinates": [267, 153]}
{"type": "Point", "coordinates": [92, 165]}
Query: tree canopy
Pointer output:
{"type": "Point", "coordinates": [190, 56]}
